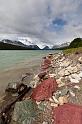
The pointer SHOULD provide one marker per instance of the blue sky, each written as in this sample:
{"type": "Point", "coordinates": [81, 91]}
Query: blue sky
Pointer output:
{"type": "Point", "coordinates": [47, 21]}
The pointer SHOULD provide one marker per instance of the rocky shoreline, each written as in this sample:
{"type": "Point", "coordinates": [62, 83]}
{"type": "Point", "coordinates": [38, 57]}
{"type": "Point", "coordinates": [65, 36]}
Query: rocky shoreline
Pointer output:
{"type": "Point", "coordinates": [57, 85]}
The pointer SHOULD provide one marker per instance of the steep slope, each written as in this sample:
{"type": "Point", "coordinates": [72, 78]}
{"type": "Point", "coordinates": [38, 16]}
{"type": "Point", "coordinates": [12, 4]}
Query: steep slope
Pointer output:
{"type": "Point", "coordinates": [16, 45]}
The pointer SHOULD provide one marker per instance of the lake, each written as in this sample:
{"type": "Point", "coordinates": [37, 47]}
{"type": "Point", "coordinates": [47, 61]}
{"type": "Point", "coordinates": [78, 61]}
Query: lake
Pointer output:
{"type": "Point", "coordinates": [9, 58]}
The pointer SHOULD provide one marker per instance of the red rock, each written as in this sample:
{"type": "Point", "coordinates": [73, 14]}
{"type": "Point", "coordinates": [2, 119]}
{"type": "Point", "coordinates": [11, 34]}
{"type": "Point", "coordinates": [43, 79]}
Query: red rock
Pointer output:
{"type": "Point", "coordinates": [67, 114]}
{"type": "Point", "coordinates": [44, 90]}
{"type": "Point", "coordinates": [46, 63]}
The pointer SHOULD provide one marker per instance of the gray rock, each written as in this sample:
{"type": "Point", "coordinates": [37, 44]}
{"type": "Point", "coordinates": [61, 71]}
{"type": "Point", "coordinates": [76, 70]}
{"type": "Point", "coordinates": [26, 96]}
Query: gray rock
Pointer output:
{"type": "Point", "coordinates": [64, 91]}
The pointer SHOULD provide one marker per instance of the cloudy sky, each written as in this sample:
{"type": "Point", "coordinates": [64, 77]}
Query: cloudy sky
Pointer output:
{"type": "Point", "coordinates": [48, 21]}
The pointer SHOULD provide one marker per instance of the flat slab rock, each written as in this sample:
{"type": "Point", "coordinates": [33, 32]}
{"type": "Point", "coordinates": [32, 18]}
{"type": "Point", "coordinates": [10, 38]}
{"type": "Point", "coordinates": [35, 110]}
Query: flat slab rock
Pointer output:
{"type": "Point", "coordinates": [67, 114]}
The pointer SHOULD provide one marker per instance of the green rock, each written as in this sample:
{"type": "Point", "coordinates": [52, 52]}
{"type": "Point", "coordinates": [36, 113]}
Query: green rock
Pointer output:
{"type": "Point", "coordinates": [25, 112]}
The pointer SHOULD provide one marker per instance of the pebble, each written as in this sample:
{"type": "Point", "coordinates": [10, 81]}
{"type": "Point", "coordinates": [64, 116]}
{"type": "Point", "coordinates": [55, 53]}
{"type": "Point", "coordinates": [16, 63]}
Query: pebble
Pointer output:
{"type": "Point", "coordinates": [65, 91]}
{"type": "Point", "coordinates": [65, 63]}
{"type": "Point", "coordinates": [52, 75]}
{"type": "Point", "coordinates": [76, 76]}
{"type": "Point", "coordinates": [80, 60]}
{"type": "Point", "coordinates": [72, 93]}
{"type": "Point", "coordinates": [73, 80]}
{"type": "Point", "coordinates": [80, 74]}
{"type": "Point", "coordinates": [62, 100]}
{"type": "Point", "coordinates": [45, 122]}
{"type": "Point", "coordinates": [54, 105]}
{"type": "Point", "coordinates": [61, 85]}
{"type": "Point", "coordinates": [77, 87]}
{"type": "Point", "coordinates": [55, 100]}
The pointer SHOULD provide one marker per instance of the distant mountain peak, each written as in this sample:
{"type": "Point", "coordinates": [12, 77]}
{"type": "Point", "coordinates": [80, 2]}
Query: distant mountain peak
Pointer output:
{"type": "Point", "coordinates": [46, 48]}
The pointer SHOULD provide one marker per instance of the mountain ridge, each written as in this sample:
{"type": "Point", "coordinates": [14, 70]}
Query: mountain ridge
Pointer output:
{"type": "Point", "coordinates": [6, 44]}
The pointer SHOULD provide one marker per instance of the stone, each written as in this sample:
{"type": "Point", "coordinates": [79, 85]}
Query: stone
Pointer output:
{"type": "Point", "coordinates": [55, 100]}
{"type": "Point", "coordinates": [73, 80]}
{"type": "Point", "coordinates": [61, 85]}
{"type": "Point", "coordinates": [75, 69]}
{"type": "Point", "coordinates": [65, 63]}
{"type": "Point", "coordinates": [76, 76]}
{"type": "Point", "coordinates": [34, 82]}
{"type": "Point", "coordinates": [42, 74]}
{"type": "Point", "coordinates": [45, 63]}
{"type": "Point", "coordinates": [44, 90]}
{"type": "Point", "coordinates": [77, 87]}
{"type": "Point", "coordinates": [59, 81]}
{"type": "Point", "coordinates": [66, 72]}
{"type": "Point", "coordinates": [57, 94]}
{"type": "Point", "coordinates": [64, 91]}
{"type": "Point", "coordinates": [62, 72]}
{"type": "Point", "coordinates": [72, 69]}
{"type": "Point", "coordinates": [54, 105]}
{"type": "Point", "coordinates": [12, 87]}
{"type": "Point", "coordinates": [67, 114]}
{"type": "Point", "coordinates": [62, 100]}
{"type": "Point", "coordinates": [45, 122]}
{"type": "Point", "coordinates": [38, 102]}
{"type": "Point", "coordinates": [25, 112]}
{"type": "Point", "coordinates": [42, 106]}
{"type": "Point", "coordinates": [80, 60]}
{"type": "Point", "coordinates": [72, 93]}
{"type": "Point", "coordinates": [52, 75]}
{"type": "Point", "coordinates": [61, 60]}
{"type": "Point", "coordinates": [80, 74]}
{"type": "Point", "coordinates": [51, 100]}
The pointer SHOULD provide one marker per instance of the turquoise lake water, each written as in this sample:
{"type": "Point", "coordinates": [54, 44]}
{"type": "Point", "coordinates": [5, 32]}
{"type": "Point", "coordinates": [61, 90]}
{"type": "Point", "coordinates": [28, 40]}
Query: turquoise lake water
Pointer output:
{"type": "Point", "coordinates": [9, 58]}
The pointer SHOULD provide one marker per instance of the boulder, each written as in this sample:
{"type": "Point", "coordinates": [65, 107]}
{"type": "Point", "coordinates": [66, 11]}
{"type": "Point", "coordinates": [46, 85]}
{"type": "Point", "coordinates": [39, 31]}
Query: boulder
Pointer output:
{"type": "Point", "coordinates": [44, 90]}
{"type": "Point", "coordinates": [25, 112]}
{"type": "Point", "coordinates": [45, 63]}
{"type": "Point", "coordinates": [67, 114]}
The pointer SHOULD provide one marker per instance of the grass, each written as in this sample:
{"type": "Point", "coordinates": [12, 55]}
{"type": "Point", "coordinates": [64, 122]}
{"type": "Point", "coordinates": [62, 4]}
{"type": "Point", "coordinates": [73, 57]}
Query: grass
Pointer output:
{"type": "Point", "coordinates": [72, 50]}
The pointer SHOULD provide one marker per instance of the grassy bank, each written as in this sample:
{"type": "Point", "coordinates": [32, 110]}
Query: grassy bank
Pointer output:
{"type": "Point", "coordinates": [73, 50]}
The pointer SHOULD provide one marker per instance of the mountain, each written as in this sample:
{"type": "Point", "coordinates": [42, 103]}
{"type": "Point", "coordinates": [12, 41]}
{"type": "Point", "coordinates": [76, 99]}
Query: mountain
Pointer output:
{"type": "Point", "coordinates": [46, 48]}
{"type": "Point", "coordinates": [18, 43]}
{"type": "Point", "coordinates": [33, 47]}
{"type": "Point", "coordinates": [6, 44]}
{"type": "Point", "coordinates": [77, 42]}
{"type": "Point", "coordinates": [61, 46]}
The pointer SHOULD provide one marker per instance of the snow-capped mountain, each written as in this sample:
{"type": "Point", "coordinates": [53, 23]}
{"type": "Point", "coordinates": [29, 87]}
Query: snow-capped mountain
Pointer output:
{"type": "Point", "coordinates": [9, 44]}
{"type": "Point", "coordinates": [32, 41]}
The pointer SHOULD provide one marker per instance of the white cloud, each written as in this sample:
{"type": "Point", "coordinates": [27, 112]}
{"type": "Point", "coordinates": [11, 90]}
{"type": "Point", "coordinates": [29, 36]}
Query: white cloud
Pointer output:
{"type": "Point", "coordinates": [33, 18]}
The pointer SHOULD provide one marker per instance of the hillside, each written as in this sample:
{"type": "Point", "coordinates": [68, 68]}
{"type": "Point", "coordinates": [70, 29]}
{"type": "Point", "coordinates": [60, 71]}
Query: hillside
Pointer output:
{"type": "Point", "coordinates": [16, 45]}
{"type": "Point", "coordinates": [6, 46]}
{"type": "Point", "coordinates": [74, 47]}
{"type": "Point", "coordinates": [76, 43]}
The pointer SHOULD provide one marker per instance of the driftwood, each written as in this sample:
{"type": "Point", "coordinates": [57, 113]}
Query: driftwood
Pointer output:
{"type": "Point", "coordinates": [5, 111]}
